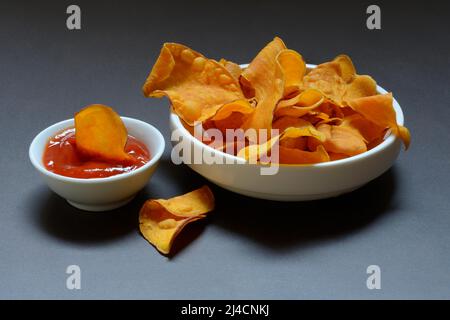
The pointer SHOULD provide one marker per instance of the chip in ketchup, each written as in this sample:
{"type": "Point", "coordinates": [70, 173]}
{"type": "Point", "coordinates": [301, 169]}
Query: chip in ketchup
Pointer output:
{"type": "Point", "coordinates": [62, 157]}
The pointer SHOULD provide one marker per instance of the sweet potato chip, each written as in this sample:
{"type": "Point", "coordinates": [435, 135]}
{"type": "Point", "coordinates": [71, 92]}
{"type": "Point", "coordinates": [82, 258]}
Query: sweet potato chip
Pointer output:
{"type": "Point", "coordinates": [317, 117]}
{"type": "Point", "coordinates": [304, 131]}
{"type": "Point", "coordinates": [326, 78]}
{"type": "Point", "coordinates": [232, 115]}
{"type": "Point", "coordinates": [294, 69]}
{"type": "Point", "coordinates": [296, 156]}
{"type": "Point", "coordinates": [300, 143]}
{"type": "Point", "coordinates": [348, 71]}
{"type": "Point", "coordinates": [361, 86]}
{"type": "Point", "coordinates": [255, 152]}
{"type": "Point", "coordinates": [293, 139]}
{"type": "Point", "coordinates": [160, 221]}
{"type": "Point", "coordinates": [285, 122]}
{"type": "Point", "coordinates": [331, 109]}
{"type": "Point", "coordinates": [265, 76]}
{"type": "Point", "coordinates": [343, 140]}
{"type": "Point", "coordinates": [196, 86]}
{"type": "Point", "coordinates": [234, 69]}
{"type": "Point", "coordinates": [101, 134]}
{"type": "Point", "coordinates": [369, 130]}
{"type": "Point", "coordinates": [299, 105]}
{"type": "Point", "coordinates": [239, 106]}
{"type": "Point", "coordinates": [379, 109]}
{"type": "Point", "coordinates": [337, 156]}
{"type": "Point", "coordinates": [339, 82]}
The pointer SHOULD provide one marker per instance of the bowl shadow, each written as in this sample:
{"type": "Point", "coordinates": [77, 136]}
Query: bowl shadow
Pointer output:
{"type": "Point", "coordinates": [286, 225]}
{"type": "Point", "coordinates": [279, 226]}
{"type": "Point", "coordinates": [59, 219]}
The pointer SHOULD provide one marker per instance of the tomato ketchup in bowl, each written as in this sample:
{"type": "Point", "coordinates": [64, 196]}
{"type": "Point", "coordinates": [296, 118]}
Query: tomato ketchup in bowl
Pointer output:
{"type": "Point", "coordinates": [62, 157]}
{"type": "Point", "coordinates": [92, 184]}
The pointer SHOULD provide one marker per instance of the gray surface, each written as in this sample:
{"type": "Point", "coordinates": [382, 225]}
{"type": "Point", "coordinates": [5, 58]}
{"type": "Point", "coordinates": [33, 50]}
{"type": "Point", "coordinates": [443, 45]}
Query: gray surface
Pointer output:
{"type": "Point", "coordinates": [247, 248]}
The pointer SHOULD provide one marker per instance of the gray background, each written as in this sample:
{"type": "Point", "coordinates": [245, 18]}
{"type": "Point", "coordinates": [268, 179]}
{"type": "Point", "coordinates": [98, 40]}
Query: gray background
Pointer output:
{"type": "Point", "coordinates": [248, 248]}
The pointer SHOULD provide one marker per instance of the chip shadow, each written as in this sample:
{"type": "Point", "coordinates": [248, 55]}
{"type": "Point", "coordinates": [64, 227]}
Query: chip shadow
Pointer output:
{"type": "Point", "coordinates": [285, 225]}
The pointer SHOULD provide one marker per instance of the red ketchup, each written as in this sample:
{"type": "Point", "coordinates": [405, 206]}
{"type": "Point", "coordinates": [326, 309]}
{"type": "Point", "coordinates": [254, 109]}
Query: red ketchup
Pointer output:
{"type": "Point", "coordinates": [61, 157]}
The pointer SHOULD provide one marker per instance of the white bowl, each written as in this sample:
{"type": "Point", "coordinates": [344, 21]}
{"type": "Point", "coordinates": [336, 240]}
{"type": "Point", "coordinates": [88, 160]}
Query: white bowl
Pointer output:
{"type": "Point", "coordinates": [100, 194]}
{"type": "Point", "coordinates": [293, 183]}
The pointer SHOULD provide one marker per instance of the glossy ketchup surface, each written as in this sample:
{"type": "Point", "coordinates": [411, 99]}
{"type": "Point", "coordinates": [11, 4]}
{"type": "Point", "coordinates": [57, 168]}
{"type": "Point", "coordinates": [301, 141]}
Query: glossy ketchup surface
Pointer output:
{"type": "Point", "coordinates": [62, 157]}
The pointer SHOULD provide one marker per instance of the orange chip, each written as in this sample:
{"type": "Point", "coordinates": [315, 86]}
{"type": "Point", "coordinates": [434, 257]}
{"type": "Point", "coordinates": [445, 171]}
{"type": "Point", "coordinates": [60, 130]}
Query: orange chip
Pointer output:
{"type": "Point", "coordinates": [300, 105]}
{"type": "Point", "coordinates": [361, 86]}
{"type": "Point", "coordinates": [255, 152]}
{"type": "Point", "coordinates": [100, 133]}
{"type": "Point", "coordinates": [232, 115]}
{"type": "Point", "coordinates": [294, 69]}
{"type": "Point", "coordinates": [348, 71]}
{"type": "Point", "coordinates": [296, 156]}
{"type": "Point", "coordinates": [317, 117]}
{"type": "Point", "coordinates": [240, 106]}
{"type": "Point", "coordinates": [342, 140]}
{"type": "Point", "coordinates": [196, 86]}
{"type": "Point", "coordinates": [296, 139]}
{"type": "Point", "coordinates": [337, 156]}
{"type": "Point", "coordinates": [234, 121]}
{"type": "Point", "coordinates": [338, 81]}
{"type": "Point", "coordinates": [265, 76]}
{"type": "Point", "coordinates": [331, 109]}
{"type": "Point", "coordinates": [234, 69]}
{"type": "Point", "coordinates": [302, 131]}
{"type": "Point", "coordinates": [160, 221]}
{"type": "Point", "coordinates": [285, 122]}
{"type": "Point", "coordinates": [379, 110]}
{"type": "Point", "coordinates": [326, 78]}
{"type": "Point", "coordinates": [299, 143]}
{"type": "Point", "coordinates": [369, 130]}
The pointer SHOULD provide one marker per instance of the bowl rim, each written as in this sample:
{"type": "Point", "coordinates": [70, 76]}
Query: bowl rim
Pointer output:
{"type": "Point", "coordinates": [388, 141]}
{"type": "Point", "coordinates": [50, 131]}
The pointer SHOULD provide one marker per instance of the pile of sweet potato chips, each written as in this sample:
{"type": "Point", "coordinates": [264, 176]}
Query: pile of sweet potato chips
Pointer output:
{"type": "Point", "coordinates": [323, 114]}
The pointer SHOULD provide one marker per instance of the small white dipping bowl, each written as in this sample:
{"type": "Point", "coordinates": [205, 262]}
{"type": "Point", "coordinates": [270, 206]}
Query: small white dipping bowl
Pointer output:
{"type": "Point", "coordinates": [100, 194]}
{"type": "Point", "coordinates": [293, 182]}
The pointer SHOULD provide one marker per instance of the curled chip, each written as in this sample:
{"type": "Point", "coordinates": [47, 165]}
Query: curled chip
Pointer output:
{"type": "Point", "coordinates": [232, 115]}
{"type": "Point", "coordinates": [196, 86]}
{"type": "Point", "coordinates": [256, 152]}
{"type": "Point", "coordinates": [265, 76]}
{"type": "Point", "coordinates": [300, 105]}
{"type": "Point", "coordinates": [294, 69]}
{"type": "Point", "coordinates": [361, 86]}
{"type": "Point", "coordinates": [348, 71]}
{"type": "Point", "coordinates": [160, 220]}
{"type": "Point", "coordinates": [101, 134]}
{"type": "Point", "coordinates": [380, 111]}
{"type": "Point", "coordinates": [239, 106]}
